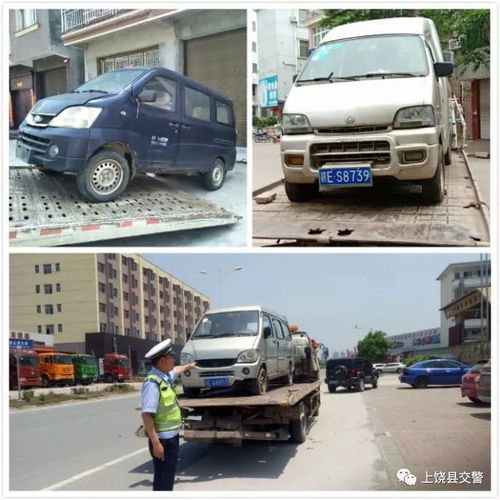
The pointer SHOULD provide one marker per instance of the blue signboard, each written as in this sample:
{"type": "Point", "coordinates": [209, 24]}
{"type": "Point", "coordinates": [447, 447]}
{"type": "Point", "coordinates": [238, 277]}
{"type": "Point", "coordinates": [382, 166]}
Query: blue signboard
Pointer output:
{"type": "Point", "coordinates": [20, 344]}
{"type": "Point", "coordinates": [268, 92]}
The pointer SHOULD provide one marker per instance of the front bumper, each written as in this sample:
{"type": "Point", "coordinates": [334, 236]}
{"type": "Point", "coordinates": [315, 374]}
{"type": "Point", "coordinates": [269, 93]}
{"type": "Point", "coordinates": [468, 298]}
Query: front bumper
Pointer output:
{"type": "Point", "coordinates": [346, 149]}
{"type": "Point", "coordinates": [234, 374]}
{"type": "Point", "coordinates": [34, 143]}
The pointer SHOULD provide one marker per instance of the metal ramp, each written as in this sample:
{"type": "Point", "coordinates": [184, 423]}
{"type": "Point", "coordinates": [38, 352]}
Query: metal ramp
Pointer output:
{"type": "Point", "coordinates": [47, 210]}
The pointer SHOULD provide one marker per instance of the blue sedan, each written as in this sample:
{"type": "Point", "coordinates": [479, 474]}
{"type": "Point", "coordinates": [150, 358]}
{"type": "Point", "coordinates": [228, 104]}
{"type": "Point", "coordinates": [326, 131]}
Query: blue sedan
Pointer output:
{"type": "Point", "coordinates": [434, 372]}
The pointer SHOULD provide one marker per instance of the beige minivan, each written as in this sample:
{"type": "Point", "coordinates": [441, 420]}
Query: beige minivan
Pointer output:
{"type": "Point", "coordinates": [248, 346]}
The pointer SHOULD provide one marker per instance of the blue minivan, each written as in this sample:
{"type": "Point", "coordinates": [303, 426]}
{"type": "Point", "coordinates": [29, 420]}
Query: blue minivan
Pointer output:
{"type": "Point", "coordinates": [127, 121]}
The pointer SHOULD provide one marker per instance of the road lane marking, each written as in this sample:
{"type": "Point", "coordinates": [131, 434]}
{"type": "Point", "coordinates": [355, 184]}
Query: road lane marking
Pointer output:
{"type": "Point", "coordinates": [89, 472]}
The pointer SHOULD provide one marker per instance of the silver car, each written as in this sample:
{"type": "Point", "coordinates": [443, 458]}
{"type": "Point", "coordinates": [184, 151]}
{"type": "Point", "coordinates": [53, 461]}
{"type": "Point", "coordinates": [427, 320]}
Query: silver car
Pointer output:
{"type": "Point", "coordinates": [372, 101]}
{"type": "Point", "coordinates": [247, 346]}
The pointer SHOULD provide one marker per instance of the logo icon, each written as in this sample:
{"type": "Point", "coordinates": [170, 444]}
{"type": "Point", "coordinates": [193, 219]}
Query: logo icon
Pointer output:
{"type": "Point", "coordinates": [406, 476]}
{"type": "Point", "coordinates": [350, 120]}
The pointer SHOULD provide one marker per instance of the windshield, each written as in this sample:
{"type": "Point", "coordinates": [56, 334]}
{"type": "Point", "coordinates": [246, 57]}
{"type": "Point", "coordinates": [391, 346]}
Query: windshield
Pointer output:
{"type": "Point", "coordinates": [477, 368]}
{"type": "Point", "coordinates": [87, 360]}
{"type": "Point", "coordinates": [110, 83]}
{"type": "Point", "coordinates": [62, 360]}
{"type": "Point", "coordinates": [120, 362]}
{"type": "Point", "coordinates": [228, 324]}
{"type": "Point", "coordinates": [29, 361]}
{"type": "Point", "coordinates": [386, 56]}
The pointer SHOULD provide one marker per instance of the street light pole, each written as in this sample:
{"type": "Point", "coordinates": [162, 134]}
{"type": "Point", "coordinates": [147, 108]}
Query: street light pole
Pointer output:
{"type": "Point", "coordinates": [219, 275]}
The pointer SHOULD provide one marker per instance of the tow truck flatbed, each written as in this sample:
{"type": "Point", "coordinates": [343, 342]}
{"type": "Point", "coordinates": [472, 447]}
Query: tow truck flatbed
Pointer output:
{"type": "Point", "coordinates": [383, 215]}
{"type": "Point", "coordinates": [46, 210]}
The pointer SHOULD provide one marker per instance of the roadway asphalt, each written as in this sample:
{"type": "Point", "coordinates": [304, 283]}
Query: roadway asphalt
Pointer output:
{"type": "Point", "coordinates": [358, 443]}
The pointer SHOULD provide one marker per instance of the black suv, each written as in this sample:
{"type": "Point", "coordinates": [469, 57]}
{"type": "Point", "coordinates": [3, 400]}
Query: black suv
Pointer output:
{"type": "Point", "coordinates": [350, 373]}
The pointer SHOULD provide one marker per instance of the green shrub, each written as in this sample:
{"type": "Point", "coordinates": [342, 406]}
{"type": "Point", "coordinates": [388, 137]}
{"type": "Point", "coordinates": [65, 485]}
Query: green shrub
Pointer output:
{"type": "Point", "coordinates": [27, 395]}
{"type": "Point", "coordinates": [417, 359]}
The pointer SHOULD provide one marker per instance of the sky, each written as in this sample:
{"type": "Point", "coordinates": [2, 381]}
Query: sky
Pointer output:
{"type": "Point", "coordinates": [336, 298]}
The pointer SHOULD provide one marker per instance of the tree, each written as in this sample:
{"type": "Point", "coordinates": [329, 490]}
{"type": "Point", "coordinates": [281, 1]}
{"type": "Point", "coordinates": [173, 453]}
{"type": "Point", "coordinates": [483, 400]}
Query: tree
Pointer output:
{"type": "Point", "coordinates": [375, 346]}
{"type": "Point", "coordinates": [469, 27]}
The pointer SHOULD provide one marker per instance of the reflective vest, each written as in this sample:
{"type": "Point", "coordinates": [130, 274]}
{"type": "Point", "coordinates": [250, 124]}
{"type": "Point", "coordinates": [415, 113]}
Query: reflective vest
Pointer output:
{"type": "Point", "coordinates": [168, 415]}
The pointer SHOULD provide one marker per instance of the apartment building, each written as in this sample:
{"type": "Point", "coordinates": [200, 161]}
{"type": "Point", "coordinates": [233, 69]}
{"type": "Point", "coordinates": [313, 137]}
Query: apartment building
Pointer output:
{"type": "Point", "coordinates": [81, 298]}
{"type": "Point", "coordinates": [471, 282]}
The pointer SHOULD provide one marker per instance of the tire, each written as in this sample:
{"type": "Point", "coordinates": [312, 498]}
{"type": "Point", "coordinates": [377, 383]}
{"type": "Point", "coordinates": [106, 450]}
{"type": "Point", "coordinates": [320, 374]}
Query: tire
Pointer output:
{"type": "Point", "coordinates": [361, 386]}
{"type": "Point", "coordinates": [398, 370]}
{"type": "Point", "coordinates": [108, 378]}
{"type": "Point", "coordinates": [45, 381]}
{"type": "Point", "coordinates": [298, 428]}
{"type": "Point", "coordinates": [214, 178]}
{"type": "Point", "coordinates": [260, 384]}
{"type": "Point", "coordinates": [421, 382]}
{"type": "Point", "coordinates": [433, 189]}
{"type": "Point", "coordinates": [332, 388]}
{"type": "Point", "coordinates": [105, 176]}
{"type": "Point", "coordinates": [447, 156]}
{"type": "Point", "coordinates": [375, 383]}
{"type": "Point", "coordinates": [476, 401]}
{"type": "Point", "coordinates": [301, 192]}
{"type": "Point", "coordinates": [191, 392]}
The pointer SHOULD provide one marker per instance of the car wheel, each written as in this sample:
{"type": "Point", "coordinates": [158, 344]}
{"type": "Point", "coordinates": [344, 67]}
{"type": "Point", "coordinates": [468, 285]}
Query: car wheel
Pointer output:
{"type": "Point", "coordinates": [301, 192]}
{"type": "Point", "coordinates": [421, 382]}
{"type": "Point", "coordinates": [375, 383]}
{"type": "Point", "coordinates": [191, 392]}
{"type": "Point", "coordinates": [433, 189]}
{"type": "Point", "coordinates": [259, 385]}
{"type": "Point", "coordinates": [361, 386]}
{"type": "Point", "coordinates": [214, 178]}
{"type": "Point", "coordinates": [109, 378]}
{"type": "Point", "coordinates": [105, 176]}
{"type": "Point", "coordinates": [298, 427]}
{"type": "Point", "coordinates": [45, 381]}
{"type": "Point", "coordinates": [447, 156]}
{"type": "Point", "coordinates": [332, 388]}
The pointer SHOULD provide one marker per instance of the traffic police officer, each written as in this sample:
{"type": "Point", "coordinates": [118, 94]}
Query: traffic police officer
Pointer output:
{"type": "Point", "coordinates": [161, 413]}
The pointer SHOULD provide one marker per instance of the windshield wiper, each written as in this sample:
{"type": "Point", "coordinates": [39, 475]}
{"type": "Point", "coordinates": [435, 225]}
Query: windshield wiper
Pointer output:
{"type": "Point", "coordinates": [383, 75]}
{"type": "Point", "coordinates": [92, 90]}
{"type": "Point", "coordinates": [329, 78]}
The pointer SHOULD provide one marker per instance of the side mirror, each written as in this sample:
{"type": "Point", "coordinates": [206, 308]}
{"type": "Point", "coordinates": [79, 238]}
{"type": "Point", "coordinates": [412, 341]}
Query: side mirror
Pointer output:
{"type": "Point", "coordinates": [147, 96]}
{"type": "Point", "coordinates": [294, 77]}
{"type": "Point", "coordinates": [267, 332]}
{"type": "Point", "coordinates": [443, 69]}
{"type": "Point", "coordinates": [188, 335]}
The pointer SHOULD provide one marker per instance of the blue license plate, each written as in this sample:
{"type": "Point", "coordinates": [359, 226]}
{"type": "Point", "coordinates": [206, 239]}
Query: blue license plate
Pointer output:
{"type": "Point", "coordinates": [346, 176]}
{"type": "Point", "coordinates": [217, 382]}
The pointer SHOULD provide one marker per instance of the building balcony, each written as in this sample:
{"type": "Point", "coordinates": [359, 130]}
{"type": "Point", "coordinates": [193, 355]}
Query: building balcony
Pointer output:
{"type": "Point", "coordinates": [73, 19]}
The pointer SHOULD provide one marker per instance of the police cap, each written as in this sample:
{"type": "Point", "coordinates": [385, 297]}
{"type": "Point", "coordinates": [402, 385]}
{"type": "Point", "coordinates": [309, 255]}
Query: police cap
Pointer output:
{"type": "Point", "coordinates": [161, 349]}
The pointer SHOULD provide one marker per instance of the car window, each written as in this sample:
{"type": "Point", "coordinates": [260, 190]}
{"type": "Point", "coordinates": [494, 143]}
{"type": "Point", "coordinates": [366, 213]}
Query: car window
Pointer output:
{"type": "Point", "coordinates": [432, 364]}
{"type": "Point", "coordinates": [266, 322]}
{"type": "Point", "coordinates": [165, 93]}
{"type": "Point", "coordinates": [223, 113]}
{"type": "Point", "coordinates": [277, 329]}
{"type": "Point", "coordinates": [450, 364]}
{"type": "Point", "coordinates": [197, 104]}
{"type": "Point", "coordinates": [286, 331]}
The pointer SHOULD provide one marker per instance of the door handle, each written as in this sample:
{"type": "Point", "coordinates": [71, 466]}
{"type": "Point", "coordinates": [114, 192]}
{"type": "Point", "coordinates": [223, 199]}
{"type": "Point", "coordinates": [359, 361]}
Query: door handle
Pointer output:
{"type": "Point", "coordinates": [187, 127]}
{"type": "Point", "coordinates": [173, 124]}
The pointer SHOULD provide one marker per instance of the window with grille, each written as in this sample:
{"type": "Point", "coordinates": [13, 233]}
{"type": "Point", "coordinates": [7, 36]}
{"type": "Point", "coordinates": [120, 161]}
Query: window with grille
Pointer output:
{"type": "Point", "coordinates": [145, 57]}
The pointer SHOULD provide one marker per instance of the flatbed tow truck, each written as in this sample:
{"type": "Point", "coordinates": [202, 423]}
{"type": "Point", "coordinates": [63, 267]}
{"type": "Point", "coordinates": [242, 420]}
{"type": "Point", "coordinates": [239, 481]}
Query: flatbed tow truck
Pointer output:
{"type": "Point", "coordinates": [46, 210]}
{"type": "Point", "coordinates": [380, 216]}
{"type": "Point", "coordinates": [279, 414]}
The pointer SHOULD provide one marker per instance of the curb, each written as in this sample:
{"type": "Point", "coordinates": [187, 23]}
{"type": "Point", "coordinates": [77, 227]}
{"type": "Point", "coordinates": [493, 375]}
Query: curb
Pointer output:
{"type": "Point", "coordinates": [483, 207]}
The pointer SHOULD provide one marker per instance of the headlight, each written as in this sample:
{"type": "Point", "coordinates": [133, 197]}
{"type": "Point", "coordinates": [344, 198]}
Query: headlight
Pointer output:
{"type": "Point", "coordinates": [415, 117]}
{"type": "Point", "coordinates": [76, 117]}
{"type": "Point", "coordinates": [296, 124]}
{"type": "Point", "coordinates": [250, 356]}
{"type": "Point", "coordinates": [186, 358]}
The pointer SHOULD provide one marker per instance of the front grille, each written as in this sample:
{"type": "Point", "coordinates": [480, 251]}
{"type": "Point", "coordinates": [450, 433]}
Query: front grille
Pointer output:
{"type": "Point", "coordinates": [373, 152]}
{"type": "Point", "coordinates": [33, 142]}
{"type": "Point", "coordinates": [227, 373]}
{"type": "Point", "coordinates": [215, 363]}
{"type": "Point", "coordinates": [353, 130]}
